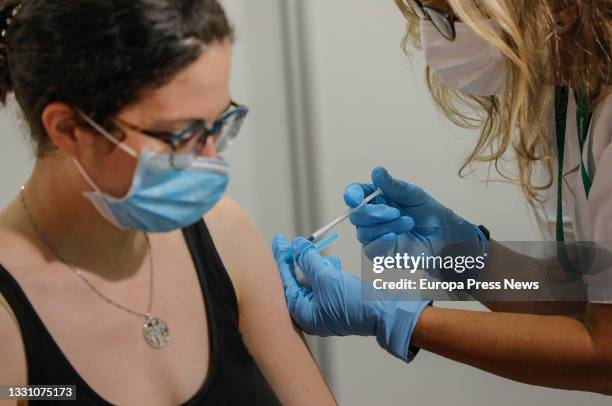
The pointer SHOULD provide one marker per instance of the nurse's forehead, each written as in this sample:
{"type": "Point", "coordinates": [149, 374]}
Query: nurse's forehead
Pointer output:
{"type": "Point", "coordinates": [197, 92]}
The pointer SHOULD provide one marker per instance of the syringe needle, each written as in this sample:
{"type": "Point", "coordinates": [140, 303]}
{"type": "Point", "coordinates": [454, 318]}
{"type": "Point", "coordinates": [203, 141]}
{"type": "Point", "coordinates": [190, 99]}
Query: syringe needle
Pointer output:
{"type": "Point", "coordinates": [339, 219]}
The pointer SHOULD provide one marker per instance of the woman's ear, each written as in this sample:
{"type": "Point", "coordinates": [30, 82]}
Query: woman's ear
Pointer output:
{"type": "Point", "coordinates": [61, 125]}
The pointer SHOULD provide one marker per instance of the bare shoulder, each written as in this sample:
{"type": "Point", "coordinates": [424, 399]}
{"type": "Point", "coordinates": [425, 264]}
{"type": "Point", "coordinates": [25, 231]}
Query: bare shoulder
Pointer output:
{"type": "Point", "coordinates": [239, 243]}
{"type": "Point", "coordinates": [13, 370]}
{"type": "Point", "coordinates": [230, 226]}
{"type": "Point", "coordinates": [228, 216]}
{"type": "Point", "coordinates": [12, 235]}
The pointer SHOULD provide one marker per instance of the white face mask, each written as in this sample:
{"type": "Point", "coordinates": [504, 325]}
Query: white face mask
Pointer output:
{"type": "Point", "coordinates": [468, 64]}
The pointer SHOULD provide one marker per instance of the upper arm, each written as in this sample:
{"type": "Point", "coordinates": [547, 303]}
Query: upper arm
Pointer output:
{"type": "Point", "coordinates": [268, 331]}
{"type": "Point", "coordinates": [13, 370]}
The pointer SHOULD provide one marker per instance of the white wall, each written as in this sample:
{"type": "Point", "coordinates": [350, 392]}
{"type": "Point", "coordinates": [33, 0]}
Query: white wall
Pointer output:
{"type": "Point", "coordinates": [15, 153]}
{"type": "Point", "coordinates": [260, 158]}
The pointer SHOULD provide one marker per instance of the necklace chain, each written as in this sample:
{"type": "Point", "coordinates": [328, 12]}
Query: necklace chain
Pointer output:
{"type": "Point", "coordinates": [77, 271]}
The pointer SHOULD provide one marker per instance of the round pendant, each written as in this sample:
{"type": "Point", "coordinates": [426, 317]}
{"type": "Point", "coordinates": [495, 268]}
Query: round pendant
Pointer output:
{"type": "Point", "coordinates": [156, 332]}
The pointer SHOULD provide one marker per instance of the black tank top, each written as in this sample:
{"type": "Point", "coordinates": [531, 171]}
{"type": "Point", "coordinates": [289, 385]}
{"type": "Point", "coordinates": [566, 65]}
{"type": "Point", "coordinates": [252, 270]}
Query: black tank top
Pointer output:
{"type": "Point", "coordinates": [233, 377]}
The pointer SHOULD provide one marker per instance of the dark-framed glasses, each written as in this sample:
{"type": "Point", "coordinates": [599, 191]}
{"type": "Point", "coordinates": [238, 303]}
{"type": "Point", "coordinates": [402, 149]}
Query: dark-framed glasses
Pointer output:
{"type": "Point", "coordinates": [188, 143]}
{"type": "Point", "coordinates": [443, 20]}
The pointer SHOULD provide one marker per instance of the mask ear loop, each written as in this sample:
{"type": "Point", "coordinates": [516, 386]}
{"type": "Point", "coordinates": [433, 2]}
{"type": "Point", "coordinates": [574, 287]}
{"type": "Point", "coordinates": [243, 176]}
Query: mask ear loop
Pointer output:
{"type": "Point", "coordinates": [86, 176]}
{"type": "Point", "coordinates": [109, 137]}
{"type": "Point", "coordinates": [106, 135]}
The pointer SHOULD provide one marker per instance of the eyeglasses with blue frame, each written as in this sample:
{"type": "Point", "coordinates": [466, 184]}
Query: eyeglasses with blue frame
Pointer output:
{"type": "Point", "coordinates": [189, 142]}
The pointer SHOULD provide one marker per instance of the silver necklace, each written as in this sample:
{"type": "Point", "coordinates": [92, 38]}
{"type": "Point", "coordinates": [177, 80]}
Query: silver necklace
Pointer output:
{"type": "Point", "coordinates": [155, 330]}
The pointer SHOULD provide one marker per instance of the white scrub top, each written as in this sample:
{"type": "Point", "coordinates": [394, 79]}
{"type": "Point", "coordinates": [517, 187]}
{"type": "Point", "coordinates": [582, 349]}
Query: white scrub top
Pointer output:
{"type": "Point", "coordinates": [590, 220]}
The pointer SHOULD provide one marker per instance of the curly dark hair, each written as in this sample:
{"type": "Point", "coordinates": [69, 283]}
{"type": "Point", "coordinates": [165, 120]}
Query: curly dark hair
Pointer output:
{"type": "Point", "coordinates": [99, 55]}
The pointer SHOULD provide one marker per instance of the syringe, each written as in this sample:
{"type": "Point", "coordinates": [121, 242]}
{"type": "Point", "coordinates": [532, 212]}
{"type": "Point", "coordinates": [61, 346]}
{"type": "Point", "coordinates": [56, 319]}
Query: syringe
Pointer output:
{"type": "Point", "coordinates": [325, 242]}
{"type": "Point", "coordinates": [339, 219]}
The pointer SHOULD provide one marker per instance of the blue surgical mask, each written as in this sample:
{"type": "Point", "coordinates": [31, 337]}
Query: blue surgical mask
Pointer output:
{"type": "Point", "coordinates": [161, 198]}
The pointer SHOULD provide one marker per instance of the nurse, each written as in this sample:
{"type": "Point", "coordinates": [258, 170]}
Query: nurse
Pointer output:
{"type": "Point", "coordinates": [537, 75]}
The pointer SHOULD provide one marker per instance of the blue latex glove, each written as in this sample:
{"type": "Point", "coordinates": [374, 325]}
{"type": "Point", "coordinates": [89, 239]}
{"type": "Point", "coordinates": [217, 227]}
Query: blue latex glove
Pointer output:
{"type": "Point", "coordinates": [333, 304]}
{"type": "Point", "coordinates": [405, 219]}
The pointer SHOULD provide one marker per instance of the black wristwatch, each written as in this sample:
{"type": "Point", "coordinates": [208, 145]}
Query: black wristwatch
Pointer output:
{"type": "Point", "coordinates": [486, 232]}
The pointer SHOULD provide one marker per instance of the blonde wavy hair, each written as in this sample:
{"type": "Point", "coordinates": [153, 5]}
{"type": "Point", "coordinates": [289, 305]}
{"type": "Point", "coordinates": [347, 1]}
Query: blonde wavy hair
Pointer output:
{"type": "Point", "coordinates": [517, 119]}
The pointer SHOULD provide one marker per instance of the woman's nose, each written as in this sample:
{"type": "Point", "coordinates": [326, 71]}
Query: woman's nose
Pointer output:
{"type": "Point", "coordinates": [209, 150]}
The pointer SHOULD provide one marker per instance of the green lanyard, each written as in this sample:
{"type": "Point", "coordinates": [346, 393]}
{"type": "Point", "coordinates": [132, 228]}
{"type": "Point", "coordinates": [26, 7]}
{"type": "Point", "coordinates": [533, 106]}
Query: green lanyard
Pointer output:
{"type": "Point", "coordinates": [583, 120]}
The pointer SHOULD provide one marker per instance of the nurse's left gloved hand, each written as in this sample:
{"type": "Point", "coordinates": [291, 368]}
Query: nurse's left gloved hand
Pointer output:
{"type": "Point", "coordinates": [333, 304]}
{"type": "Point", "coordinates": [407, 220]}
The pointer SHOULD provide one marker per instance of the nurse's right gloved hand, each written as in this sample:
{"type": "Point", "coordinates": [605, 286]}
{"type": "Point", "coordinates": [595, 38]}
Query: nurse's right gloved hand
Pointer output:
{"type": "Point", "coordinates": [333, 304]}
{"type": "Point", "coordinates": [405, 219]}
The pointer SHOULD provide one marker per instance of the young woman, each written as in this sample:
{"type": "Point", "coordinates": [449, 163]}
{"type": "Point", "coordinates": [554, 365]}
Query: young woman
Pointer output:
{"type": "Point", "coordinates": [538, 76]}
{"type": "Point", "coordinates": [110, 279]}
